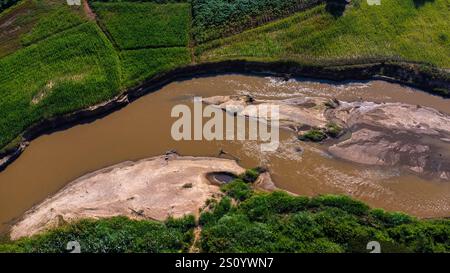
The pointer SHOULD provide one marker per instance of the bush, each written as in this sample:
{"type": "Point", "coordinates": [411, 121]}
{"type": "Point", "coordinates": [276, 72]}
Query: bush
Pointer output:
{"type": "Point", "coordinates": [333, 129]}
{"type": "Point", "coordinates": [314, 135]}
{"type": "Point", "coordinates": [238, 190]}
{"type": "Point", "coordinates": [342, 202]}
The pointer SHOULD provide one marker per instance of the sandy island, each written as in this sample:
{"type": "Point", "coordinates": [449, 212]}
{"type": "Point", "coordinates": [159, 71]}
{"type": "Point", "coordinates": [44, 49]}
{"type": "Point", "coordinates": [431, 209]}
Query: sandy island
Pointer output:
{"type": "Point", "coordinates": [153, 188]}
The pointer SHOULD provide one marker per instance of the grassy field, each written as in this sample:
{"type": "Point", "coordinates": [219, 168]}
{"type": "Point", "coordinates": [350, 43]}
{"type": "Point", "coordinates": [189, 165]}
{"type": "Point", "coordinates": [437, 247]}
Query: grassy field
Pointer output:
{"type": "Point", "coordinates": [71, 63]}
{"type": "Point", "coordinates": [138, 65]}
{"type": "Point", "coordinates": [57, 20]}
{"type": "Point", "coordinates": [67, 71]}
{"type": "Point", "coordinates": [398, 28]}
{"type": "Point", "coordinates": [18, 21]}
{"type": "Point", "coordinates": [248, 221]}
{"type": "Point", "coordinates": [143, 25]}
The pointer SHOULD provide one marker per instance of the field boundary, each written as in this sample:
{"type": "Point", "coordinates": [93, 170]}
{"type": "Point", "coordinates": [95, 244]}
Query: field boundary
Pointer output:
{"type": "Point", "coordinates": [435, 81]}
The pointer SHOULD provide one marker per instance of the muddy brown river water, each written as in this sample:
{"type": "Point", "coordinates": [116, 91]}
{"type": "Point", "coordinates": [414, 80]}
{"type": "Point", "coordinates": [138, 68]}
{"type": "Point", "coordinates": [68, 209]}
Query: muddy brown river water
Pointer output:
{"type": "Point", "coordinates": [142, 129]}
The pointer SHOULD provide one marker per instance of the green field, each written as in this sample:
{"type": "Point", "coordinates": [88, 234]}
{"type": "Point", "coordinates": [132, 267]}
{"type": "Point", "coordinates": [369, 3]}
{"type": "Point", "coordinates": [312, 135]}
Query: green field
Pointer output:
{"type": "Point", "coordinates": [138, 65]}
{"type": "Point", "coordinates": [70, 70]}
{"type": "Point", "coordinates": [214, 19]}
{"type": "Point", "coordinates": [18, 23]}
{"type": "Point", "coordinates": [248, 221]}
{"type": "Point", "coordinates": [142, 25]}
{"type": "Point", "coordinates": [397, 28]}
{"type": "Point", "coordinates": [57, 20]}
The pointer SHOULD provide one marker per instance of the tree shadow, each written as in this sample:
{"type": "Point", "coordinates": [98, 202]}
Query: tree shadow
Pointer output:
{"type": "Point", "coordinates": [336, 7]}
{"type": "Point", "coordinates": [420, 3]}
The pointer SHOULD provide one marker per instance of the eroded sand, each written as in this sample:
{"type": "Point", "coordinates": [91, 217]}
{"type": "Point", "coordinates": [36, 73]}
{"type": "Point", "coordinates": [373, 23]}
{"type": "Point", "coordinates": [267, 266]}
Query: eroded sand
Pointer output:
{"type": "Point", "coordinates": [381, 134]}
{"type": "Point", "coordinates": [153, 188]}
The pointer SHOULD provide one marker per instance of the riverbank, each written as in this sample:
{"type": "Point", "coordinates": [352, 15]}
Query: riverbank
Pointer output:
{"type": "Point", "coordinates": [431, 80]}
{"type": "Point", "coordinates": [247, 221]}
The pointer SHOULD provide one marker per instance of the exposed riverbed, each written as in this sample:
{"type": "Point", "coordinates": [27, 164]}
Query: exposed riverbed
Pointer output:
{"type": "Point", "coordinates": [142, 130]}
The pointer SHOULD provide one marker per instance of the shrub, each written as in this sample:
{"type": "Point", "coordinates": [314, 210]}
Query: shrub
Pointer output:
{"type": "Point", "coordinates": [314, 135]}
{"type": "Point", "coordinates": [238, 190]}
{"type": "Point", "coordinates": [333, 129]}
{"type": "Point", "coordinates": [342, 202]}
{"type": "Point", "coordinates": [118, 234]}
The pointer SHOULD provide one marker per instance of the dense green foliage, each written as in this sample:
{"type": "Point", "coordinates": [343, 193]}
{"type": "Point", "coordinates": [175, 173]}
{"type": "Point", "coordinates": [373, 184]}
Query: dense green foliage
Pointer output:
{"type": "Point", "coordinates": [213, 19]}
{"type": "Point", "coordinates": [113, 235]}
{"type": "Point", "coordinates": [58, 20]}
{"type": "Point", "coordinates": [395, 29]}
{"type": "Point", "coordinates": [67, 71]}
{"type": "Point", "coordinates": [140, 25]}
{"type": "Point", "coordinates": [138, 65]}
{"type": "Point", "coordinates": [4, 4]}
{"type": "Point", "coordinates": [278, 222]}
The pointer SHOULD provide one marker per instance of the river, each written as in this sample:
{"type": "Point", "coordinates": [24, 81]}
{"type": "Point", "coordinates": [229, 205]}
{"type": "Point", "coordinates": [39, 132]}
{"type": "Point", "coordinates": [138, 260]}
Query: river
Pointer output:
{"type": "Point", "coordinates": [142, 129]}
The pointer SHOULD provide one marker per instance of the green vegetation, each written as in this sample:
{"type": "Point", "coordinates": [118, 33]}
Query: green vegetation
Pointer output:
{"type": "Point", "coordinates": [80, 68]}
{"type": "Point", "coordinates": [278, 222]}
{"type": "Point", "coordinates": [395, 29]}
{"type": "Point", "coordinates": [58, 20]}
{"type": "Point", "coordinates": [113, 235]}
{"type": "Point", "coordinates": [138, 65]}
{"type": "Point", "coordinates": [315, 135]}
{"type": "Point", "coordinates": [141, 25]}
{"type": "Point", "coordinates": [213, 19]}
{"type": "Point", "coordinates": [19, 20]}
{"type": "Point", "coordinates": [70, 62]}
{"type": "Point", "coordinates": [248, 221]}
{"type": "Point", "coordinates": [333, 129]}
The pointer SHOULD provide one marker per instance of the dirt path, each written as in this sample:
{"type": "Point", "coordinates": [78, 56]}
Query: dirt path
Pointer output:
{"type": "Point", "coordinates": [87, 9]}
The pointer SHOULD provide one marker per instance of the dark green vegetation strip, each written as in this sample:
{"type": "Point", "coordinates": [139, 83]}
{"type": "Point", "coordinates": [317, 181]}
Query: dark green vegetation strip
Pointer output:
{"type": "Point", "coordinates": [248, 221]}
{"type": "Point", "coordinates": [140, 25]}
{"type": "Point", "coordinates": [213, 19]}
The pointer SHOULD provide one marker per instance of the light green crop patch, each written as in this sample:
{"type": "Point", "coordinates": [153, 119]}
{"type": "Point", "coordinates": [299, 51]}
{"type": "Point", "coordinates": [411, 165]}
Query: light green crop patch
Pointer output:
{"type": "Point", "coordinates": [141, 25]}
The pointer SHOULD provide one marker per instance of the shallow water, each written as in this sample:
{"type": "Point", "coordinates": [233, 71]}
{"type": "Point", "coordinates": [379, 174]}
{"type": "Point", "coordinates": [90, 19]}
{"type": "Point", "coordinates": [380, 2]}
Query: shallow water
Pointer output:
{"type": "Point", "coordinates": [142, 129]}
